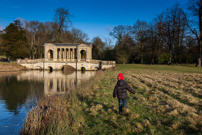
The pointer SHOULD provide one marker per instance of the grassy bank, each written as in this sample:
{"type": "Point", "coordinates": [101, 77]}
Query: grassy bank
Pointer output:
{"type": "Point", "coordinates": [168, 101]}
{"type": "Point", "coordinates": [11, 66]}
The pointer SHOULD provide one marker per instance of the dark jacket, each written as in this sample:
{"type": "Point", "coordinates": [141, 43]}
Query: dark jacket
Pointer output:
{"type": "Point", "coordinates": [120, 90]}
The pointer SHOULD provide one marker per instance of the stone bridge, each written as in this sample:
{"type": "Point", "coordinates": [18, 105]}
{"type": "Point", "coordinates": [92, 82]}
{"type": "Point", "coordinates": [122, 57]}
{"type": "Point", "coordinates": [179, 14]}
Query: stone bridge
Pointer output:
{"type": "Point", "coordinates": [59, 56]}
{"type": "Point", "coordinates": [91, 65]}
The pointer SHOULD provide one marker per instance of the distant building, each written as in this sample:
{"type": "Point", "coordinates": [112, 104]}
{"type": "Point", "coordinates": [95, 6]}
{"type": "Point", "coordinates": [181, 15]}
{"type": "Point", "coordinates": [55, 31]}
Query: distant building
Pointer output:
{"type": "Point", "coordinates": [68, 52]}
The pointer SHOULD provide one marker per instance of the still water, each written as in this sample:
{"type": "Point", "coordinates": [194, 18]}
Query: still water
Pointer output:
{"type": "Point", "coordinates": [20, 91]}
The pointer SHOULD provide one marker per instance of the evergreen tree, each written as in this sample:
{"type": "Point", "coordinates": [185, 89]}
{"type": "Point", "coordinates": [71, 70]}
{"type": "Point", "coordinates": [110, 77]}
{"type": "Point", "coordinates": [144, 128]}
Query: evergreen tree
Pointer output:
{"type": "Point", "coordinates": [14, 41]}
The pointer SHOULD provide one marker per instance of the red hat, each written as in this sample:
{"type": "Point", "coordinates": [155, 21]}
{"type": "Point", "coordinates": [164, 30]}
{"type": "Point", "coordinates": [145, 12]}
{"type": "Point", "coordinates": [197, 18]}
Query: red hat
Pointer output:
{"type": "Point", "coordinates": [120, 76]}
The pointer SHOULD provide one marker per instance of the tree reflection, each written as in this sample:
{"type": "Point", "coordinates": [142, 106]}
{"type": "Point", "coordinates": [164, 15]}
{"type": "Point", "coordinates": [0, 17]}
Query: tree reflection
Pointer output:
{"type": "Point", "coordinates": [15, 93]}
{"type": "Point", "coordinates": [25, 89]}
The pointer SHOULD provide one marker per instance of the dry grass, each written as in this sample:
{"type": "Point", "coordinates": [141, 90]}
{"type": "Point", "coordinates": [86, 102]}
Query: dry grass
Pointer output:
{"type": "Point", "coordinates": [12, 66]}
{"type": "Point", "coordinates": [165, 103]}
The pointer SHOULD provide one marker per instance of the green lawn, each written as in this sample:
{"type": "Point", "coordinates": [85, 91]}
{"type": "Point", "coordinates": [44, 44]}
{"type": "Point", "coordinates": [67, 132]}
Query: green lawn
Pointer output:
{"type": "Point", "coordinates": [168, 101]}
{"type": "Point", "coordinates": [174, 68]}
{"type": "Point", "coordinates": [10, 63]}
{"type": "Point", "coordinates": [3, 56]}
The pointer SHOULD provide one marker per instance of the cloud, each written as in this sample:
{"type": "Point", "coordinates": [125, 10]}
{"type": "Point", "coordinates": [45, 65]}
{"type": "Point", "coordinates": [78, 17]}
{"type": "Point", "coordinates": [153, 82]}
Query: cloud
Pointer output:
{"type": "Point", "coordinates": [109, 29]}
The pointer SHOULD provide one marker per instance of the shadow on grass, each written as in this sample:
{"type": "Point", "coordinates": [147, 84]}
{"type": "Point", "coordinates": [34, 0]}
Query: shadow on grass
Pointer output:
{"type": "Point", "coordinates": [135, 98]}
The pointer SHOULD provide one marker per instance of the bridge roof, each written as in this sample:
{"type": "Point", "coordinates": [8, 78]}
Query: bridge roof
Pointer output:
{"type": "Point", "coordinates": [67, 44]}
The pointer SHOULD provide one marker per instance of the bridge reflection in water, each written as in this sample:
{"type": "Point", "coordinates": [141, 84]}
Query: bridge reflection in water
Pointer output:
{"type": "Point", "coordinates": [57, 82]}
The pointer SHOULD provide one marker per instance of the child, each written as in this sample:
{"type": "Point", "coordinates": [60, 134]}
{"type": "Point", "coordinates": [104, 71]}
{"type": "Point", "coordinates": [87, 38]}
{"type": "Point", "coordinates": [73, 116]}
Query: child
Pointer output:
{"type": "Point", "coordinates": [120, 91]}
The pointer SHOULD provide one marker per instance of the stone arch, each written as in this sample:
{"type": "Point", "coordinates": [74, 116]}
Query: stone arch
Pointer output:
{"type": "Point", "coordinates": [83, 69]}
{"type": "Point", "coordinates": [50, 54]}
{"type": "Point", "coordinates": [94, 68]}
{"type": "Point", "coordinates": [66, 69]}
{"type": "Point", "coordinates": [50, 69]}
{"type": "Point", "coordinates": [38, 67]}
{"type": "Point", "coordinates": [83, 54]}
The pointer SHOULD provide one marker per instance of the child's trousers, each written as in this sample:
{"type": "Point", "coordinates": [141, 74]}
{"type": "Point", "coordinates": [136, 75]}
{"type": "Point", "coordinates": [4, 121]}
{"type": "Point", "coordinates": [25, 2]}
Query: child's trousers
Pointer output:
{"type": "Point", "coordinates": [122, 103]}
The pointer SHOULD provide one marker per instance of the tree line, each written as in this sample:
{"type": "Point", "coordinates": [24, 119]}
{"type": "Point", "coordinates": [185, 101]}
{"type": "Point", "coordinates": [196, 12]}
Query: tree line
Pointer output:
{"type": "Point", "coordinates": [26, 39]}
{"type": "Point", "coordinates": [173, 37]}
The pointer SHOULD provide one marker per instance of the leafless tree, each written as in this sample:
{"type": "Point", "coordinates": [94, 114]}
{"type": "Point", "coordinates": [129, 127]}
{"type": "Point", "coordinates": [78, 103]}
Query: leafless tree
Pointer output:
{"type": "Point", "coordinates": [140, 31]}
{"type": "Point", "coordinates": [98, 48]}
{"type": "Point", "coordinates": [195, 24]}
{"type": "Point", "coordinates": [120, 32]}
{"type": "Point", "coordinates": [79, 36]}
{"type": "Point", "coordinates": [174, 28]}
{"type": "Point", "coordinates": [32, 29]}
{"type": "Point", "coordinates": [62, 22]}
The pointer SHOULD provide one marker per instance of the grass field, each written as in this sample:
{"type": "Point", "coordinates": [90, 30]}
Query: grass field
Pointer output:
{"type": "Point", "coordinates": [10, 63]}
{"type": "Point", "coordinates": [3, 56]}
{"type": "Point", "coordinates": [11, 66]}
{"type": "Point", "coordinates": [168, 101]}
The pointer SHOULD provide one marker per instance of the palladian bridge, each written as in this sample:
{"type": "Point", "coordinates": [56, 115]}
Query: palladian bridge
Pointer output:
{"type": "Point", "coordinates": [59, 56]}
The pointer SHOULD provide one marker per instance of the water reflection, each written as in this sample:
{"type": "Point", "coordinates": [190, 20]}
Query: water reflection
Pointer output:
{"type": "Point", "coordinates": [19, 92]}
{"type": "Point", "coordinates": [56, 82]}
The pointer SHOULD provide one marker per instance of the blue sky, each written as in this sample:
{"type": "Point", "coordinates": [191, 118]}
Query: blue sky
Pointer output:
{"type": "Point", "coordinates": [94, 17]}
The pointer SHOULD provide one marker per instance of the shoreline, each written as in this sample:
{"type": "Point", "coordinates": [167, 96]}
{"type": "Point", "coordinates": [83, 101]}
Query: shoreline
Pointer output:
{"type": "Point", "coordinates": [10, 67]}
{"type": "Point", "coordinates": [91, 109]}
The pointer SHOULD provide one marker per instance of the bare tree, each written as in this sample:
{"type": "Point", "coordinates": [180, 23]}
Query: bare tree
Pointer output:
{"type": "Point", "coordinates": [159, 24]}
{"type": "Point", "coordinates": [195, 24]}
{"type": "Point", "coordinates": [122, 49]}
{"type": "Point", "coordinates": [37, 34]}
{"type": "Point", "coordinates": [62, 22]}
{"type": "Point", "coordinates": [32, 29]}
{"type": "Point", "coordinates": [120, 32]}
{"type": "Point", "coordinates": [108, 43]}
{"type": "Point", "coordinates": [79, 36]}
{"type": "Point", "coordinates": [174, 28]}
{"type": "Point", "coordinates": [140, 31]}
{"type": "Point", "coordinates": [98, 48]}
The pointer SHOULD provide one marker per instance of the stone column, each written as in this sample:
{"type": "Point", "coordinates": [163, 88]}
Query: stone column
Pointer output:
{"type": "Point", "coordinates": [54, 54]}
{"type": "Point", "coordinates": [65, 54]}
{"type": "Point", "coordinates": [68, 53]}
{"type": "Point", "coordinates": [45, 54]}
{"type": "Point", "coordinates": [86, 54]}
{"type": "Point", "coordinates": [78, 58]}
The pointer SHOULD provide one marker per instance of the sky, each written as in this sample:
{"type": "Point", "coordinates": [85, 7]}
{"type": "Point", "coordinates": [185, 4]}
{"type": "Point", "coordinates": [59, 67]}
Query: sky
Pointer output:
{"type": "Point", "coordinates": [94, 17]}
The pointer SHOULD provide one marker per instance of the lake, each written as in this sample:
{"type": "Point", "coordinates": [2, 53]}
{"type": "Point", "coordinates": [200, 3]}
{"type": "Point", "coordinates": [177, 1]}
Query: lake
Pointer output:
{"type": "Point", "coordinates": [20, 91]}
